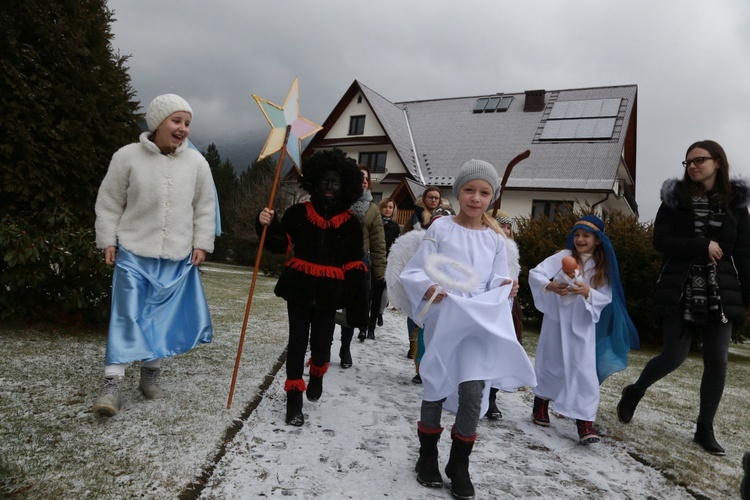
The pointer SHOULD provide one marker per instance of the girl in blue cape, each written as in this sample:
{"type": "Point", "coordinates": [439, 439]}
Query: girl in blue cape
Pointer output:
{"type": "Point", "coordinates": [586, 331]}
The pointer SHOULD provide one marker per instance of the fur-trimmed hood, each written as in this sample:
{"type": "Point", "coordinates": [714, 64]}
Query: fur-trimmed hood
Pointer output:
{"type": "Point", "coordinates": [670, 194]}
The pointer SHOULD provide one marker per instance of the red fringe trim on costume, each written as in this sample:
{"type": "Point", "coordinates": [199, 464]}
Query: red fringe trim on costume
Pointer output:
{"type": "Point", "coordinates": [334, 222]}
{"type": "Point", "coordinates": [465, 439]}
{"type": "Point", "coordinates": [317, 371]}
{"type": "Point", "coordinates": [357, 264]}
{"type": "Point", "coordinates": [428, 430]}
{"type": "Point", "coordinates": [295, 385]}
{"type": "Point", "coordinates": [317, 270]}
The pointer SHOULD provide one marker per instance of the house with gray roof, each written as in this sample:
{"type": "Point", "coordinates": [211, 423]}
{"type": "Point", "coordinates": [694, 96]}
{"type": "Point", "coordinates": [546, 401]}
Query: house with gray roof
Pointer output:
{"type": "Point", "coordinates": [560, 149]}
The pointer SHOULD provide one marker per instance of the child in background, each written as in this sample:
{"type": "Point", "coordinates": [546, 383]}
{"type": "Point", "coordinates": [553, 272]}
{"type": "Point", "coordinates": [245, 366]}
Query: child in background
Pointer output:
{"type": "Point", "coordinates": [391, 229]}
{"type": "Point", "coordinates": [514, 267]}
{"type": "Point", "coordinates": [469, 340]}
{"type": "Point", "coordinates": [586, 331]}
{"type": "Point", "coordinates": [326, 273]}
{"type": "Point", "coordinates": [155, 220]}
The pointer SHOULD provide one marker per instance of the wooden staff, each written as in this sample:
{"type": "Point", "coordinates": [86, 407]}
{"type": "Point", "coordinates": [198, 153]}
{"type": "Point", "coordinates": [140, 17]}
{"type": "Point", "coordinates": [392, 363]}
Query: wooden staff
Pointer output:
{"type": "Point", "coordinates": [255, 270]}
{"type": "Point", "coordinates": [515, 161]}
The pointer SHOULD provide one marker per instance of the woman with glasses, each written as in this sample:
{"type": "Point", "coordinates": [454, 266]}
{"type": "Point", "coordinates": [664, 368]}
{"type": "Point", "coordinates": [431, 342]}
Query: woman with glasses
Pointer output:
{"type": "Point", "coordinates": [423, 209]}
{"type": "Point", "coordinates": [703, 230]}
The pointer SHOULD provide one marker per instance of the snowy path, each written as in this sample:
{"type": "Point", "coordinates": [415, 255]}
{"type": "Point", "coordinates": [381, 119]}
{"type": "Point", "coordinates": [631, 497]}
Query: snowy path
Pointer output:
{"type": "Point", "coordinates": [359, 441]}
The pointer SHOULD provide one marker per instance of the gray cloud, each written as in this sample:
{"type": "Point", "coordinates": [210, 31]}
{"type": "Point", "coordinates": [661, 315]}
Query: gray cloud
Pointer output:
{"type": "Point", "coordinates": [690, 60]}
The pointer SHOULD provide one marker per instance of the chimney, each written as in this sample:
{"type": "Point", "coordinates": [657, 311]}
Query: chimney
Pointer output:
{"type": "Point", "coordinates": [534, 100]}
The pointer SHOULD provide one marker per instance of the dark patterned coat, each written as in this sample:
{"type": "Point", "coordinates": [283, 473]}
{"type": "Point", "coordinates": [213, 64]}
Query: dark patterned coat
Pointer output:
{"type": "Point", "coordinates": [327, 269]}
{"type": "Point", "coordinates": [674, 237]}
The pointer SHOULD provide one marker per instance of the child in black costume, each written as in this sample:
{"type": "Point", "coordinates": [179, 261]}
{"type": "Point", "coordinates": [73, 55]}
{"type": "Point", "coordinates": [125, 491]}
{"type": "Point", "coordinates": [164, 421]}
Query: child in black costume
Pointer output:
{"type": "Point", "coordinates": [326, 272]}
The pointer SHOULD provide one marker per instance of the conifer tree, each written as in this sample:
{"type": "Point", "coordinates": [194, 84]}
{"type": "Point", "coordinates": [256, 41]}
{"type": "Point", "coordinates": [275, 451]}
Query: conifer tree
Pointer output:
{"type": "Point", "coordinates": [67, 107]}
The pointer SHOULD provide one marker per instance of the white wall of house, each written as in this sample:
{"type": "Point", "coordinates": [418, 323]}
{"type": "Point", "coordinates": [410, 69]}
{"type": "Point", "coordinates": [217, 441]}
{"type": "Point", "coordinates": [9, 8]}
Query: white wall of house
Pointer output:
{"type": "Point", "coordinates": [341, 127]}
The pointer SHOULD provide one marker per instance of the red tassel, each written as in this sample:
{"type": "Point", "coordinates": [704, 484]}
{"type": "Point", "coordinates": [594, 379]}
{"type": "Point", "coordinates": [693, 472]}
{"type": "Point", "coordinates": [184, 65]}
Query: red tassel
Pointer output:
{"type": "Point", "coordinates": [334, 222]}
{"type": "Point", "coordinates": [295, 385]}
{"type": "Point", "coordinates": [357, 264]}
{"type": "Point", "coordinates": [317, 270]}
{"type": "Point", "coordinates": [317, 371]}
{"type": "Point", "coordinates": [288, 244]}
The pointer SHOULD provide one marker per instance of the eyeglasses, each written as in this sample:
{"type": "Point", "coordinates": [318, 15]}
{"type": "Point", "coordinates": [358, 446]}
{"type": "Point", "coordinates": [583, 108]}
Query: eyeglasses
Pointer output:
{"type": "Point", "coordinates": [698, 160]}
{"type": "Point", "coordinates": [438, 197]}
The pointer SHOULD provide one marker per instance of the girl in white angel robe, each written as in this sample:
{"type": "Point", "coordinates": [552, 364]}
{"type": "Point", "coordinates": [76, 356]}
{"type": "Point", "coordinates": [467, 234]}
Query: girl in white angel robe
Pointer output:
{"type": "Point", "coordinates": [566, 356]}
{"type": "Point", "coordinates": [468, 335]}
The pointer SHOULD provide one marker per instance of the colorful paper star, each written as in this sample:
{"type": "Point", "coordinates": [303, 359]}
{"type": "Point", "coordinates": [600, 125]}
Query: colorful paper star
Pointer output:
{"type": "Point", "coordinates": [281, 117]}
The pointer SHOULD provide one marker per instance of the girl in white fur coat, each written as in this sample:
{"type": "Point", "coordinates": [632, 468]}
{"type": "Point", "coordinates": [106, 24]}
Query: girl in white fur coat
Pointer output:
{"type": "Point", "coordinates": [155, 221]}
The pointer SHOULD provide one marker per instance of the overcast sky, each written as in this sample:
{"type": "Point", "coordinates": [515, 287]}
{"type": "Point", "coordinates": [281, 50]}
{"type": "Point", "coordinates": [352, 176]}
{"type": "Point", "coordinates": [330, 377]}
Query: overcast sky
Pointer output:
{"type": "Point", "coordinates": [689, 58]}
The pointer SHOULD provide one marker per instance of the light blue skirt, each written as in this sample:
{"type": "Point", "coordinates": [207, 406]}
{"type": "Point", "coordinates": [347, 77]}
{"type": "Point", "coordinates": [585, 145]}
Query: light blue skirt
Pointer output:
{"type": "Point", "coordinates": [159, 309]}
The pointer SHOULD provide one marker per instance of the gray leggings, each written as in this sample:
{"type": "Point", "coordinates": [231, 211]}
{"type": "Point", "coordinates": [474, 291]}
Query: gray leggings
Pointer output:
{"type": "Point", "coordinates": [467, 416]}
{"type": "Point", "coordinates": [674, 352]}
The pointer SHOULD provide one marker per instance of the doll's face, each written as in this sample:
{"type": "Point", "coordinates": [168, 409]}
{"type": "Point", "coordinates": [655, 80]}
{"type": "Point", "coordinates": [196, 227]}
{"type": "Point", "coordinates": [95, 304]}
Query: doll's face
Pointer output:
{"type": "Point", "coordinates": [329, 185]}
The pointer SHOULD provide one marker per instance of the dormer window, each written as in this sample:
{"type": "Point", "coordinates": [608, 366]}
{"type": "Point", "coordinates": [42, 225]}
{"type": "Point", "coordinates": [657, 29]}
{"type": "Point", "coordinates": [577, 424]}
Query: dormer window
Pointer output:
{"type": "Point", "coordinates": [357, 125]}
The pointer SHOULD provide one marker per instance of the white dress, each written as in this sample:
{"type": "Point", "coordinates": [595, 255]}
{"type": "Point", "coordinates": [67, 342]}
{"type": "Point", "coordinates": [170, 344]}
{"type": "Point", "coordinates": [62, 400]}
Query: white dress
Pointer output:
{"type": "Point", "coordinates": [565, 361]}
{"type": "Point", "coordinates": [468, 335]}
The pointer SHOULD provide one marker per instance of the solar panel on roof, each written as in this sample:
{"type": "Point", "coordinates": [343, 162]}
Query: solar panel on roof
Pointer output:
{"type": "Point", "coordinates": [592, 108]}
{"type": "Point", "coordinates": [589, 128]}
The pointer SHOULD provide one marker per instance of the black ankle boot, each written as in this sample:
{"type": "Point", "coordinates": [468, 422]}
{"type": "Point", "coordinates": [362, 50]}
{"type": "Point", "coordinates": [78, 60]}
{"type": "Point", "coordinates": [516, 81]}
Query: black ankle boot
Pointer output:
{"type": "Point", "coordinates": [345, 355]}
{"type": "Point", "coordinates": [428, 471]}
{"type": "Point", "coordinates": [704, 436]}
{"type": "Point", "coordinates": [294, 409]}
{"type": "Point", "coordinates": [493, 412]}
{"type": "Point", "coordinates": [314, 388]}
{"type": "Point", "coordinates": [458, 467]}
{"type": "Point", "coordinates": [628, 403]}
{"type": "Point", "coordinates": [371, 331]}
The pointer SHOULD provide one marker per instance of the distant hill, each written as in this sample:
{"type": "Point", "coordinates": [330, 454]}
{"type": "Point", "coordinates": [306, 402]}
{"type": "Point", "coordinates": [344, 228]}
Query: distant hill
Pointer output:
{"type": "Point", "coordinates": [242, 154]}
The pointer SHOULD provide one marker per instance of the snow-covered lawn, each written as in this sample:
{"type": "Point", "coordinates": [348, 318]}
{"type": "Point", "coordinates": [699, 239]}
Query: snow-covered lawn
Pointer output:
{"type": "Point", "coordinates": [359, 440]}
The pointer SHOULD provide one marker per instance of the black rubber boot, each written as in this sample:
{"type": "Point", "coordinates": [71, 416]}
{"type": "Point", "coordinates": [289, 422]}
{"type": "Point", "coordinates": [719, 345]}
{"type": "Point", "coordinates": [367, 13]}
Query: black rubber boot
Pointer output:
{"type": "Point", "coordinates": [428, 471]}
{"type": "Point", "coordinates": [493, 412]}
{"type": "Point", "coordinates": [704, 436]}
{"type": "Point", "coordinates": [458, 467]}
{"type": "Point", "coordinates": [371, 331]}
{"type": "Point", "coordinates": [628, 403]}
{"type": "Point", "coordinates": [294, 409]}
{"type": "Point", "coordinates": [314, 388]}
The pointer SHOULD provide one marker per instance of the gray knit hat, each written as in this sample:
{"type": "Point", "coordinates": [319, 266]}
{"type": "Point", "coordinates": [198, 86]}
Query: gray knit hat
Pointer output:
{"type": "Point", "coordinates": [477, 169]}
{"type": "Point", "coordinates": [164, 105]}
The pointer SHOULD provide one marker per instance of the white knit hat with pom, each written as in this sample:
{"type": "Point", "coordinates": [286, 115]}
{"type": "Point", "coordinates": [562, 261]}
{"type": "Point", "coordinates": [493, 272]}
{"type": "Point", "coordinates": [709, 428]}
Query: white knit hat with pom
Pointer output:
{"type": "Point", "coordinates": [163, 106]}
